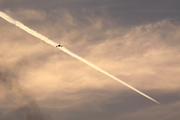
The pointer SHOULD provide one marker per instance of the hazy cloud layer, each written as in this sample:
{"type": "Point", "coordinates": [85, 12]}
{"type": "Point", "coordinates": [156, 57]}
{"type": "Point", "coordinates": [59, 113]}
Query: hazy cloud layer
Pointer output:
{"type": "Point", "coordinates": [121, 12]}
{"type": "Point", "coordinates": [136, 41]}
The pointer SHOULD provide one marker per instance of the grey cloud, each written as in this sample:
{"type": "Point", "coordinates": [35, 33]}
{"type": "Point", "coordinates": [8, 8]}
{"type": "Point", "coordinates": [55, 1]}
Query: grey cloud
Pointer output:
{"type": "Point", "coordinates": [64, 22]}
{"type": "Point", "coordinates": [122, 12]}
{"type": "Point", "coordinates": [125, 4]}
{"type": "Point", "coordinates": [17, 103]}
{"type": "Point", "coordinates": [99, 104]}
{"type": "Point", "coordinates": [26, 112]}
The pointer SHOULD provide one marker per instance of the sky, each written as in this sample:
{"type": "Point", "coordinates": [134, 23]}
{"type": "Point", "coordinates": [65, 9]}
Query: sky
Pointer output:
{"type": "Point", "coordinates": [137, 41]}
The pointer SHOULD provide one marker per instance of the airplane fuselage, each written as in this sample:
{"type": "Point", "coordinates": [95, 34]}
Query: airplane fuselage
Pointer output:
{"type": "Point", "coordinates": [59, 46]}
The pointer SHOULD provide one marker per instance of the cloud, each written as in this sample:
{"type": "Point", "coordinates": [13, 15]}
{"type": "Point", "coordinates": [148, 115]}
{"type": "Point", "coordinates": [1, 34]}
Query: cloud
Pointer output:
{"type": "Point", "coordinates": [122, 13]}
{"type": "Point", "coordinates": [117, 105]}
{"type": "Point", "coordinates": [146, 56]}
{"type": "Point", "coordinates": [163, 112]}
{"type": "Point", "coordinates": [16, 100]}
{"type": "Point", "coordinates": [133, 54]}
{"type": "Point", "coordinates": [28, 14]}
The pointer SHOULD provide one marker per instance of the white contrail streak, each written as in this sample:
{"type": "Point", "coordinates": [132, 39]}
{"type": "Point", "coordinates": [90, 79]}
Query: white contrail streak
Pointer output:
{"type": "Point", "coordinates": [45, 39]}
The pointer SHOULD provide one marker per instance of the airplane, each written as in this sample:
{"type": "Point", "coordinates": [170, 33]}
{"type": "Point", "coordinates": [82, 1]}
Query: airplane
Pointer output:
{"type": "Point", "coordinates": [59, 46]}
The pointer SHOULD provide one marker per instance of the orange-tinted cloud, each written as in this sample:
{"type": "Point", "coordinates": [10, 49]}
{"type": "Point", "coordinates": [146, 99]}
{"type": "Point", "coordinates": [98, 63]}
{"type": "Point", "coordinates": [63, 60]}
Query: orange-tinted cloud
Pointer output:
{"type": "Point", "coordinates": [145, 56]}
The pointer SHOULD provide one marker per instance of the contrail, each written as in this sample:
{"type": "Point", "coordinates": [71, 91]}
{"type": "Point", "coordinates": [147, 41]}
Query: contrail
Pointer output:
{"type": "Point", "coordinates": [47, 40]}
